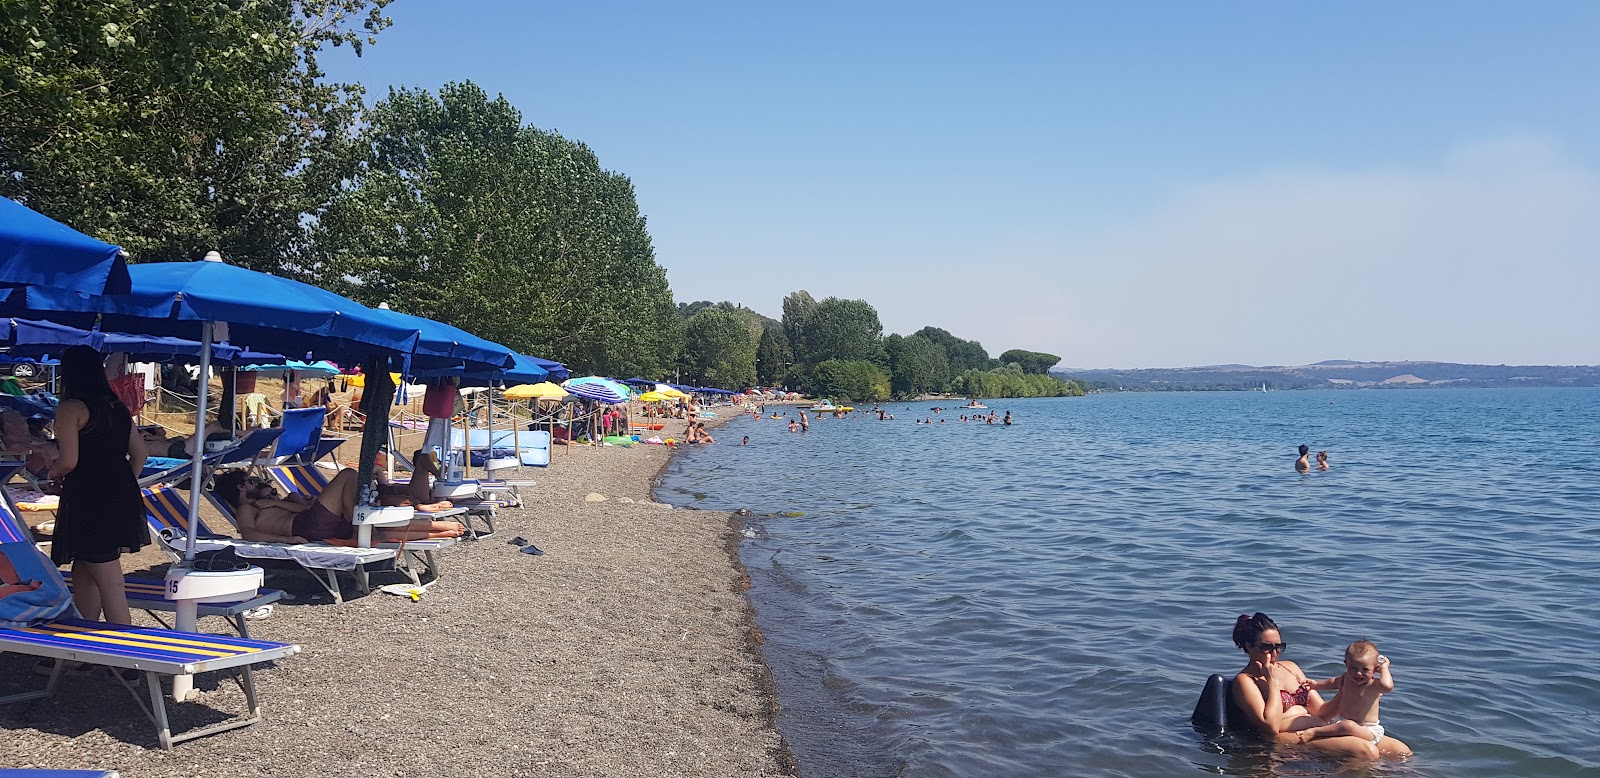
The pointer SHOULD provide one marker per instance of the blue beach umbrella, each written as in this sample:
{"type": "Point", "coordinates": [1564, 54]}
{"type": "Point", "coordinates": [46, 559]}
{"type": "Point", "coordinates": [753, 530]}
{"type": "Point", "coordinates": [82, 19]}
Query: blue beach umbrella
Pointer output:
{"type": "Point", "coordinates": [614, 387]}
{"type": "Point", "coordinates": [451, 343]}
{"type": "Point", "coordinates": [266, 311]}
{"type": "Point", "coordinates": [36, 250]}
{"type": "Point", "coordinates": [33, 338]}
{"type": "Point", "coordinates": [594, 392]}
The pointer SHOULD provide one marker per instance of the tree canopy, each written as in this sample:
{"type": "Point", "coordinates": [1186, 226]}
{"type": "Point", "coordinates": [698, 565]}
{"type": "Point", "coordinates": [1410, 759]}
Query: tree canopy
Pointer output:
{"type": "Point", "coordinates": [1031, 362]}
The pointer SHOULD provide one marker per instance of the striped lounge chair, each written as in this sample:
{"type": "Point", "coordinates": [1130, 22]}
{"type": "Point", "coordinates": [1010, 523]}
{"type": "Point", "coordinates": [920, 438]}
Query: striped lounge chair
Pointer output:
{"type": "Point", "coordinates": [168, 515]}
{"type": "Point", "coordinates": [311, 480]}
{"type": "Point", "coordinates": [149, 594]}
{"type": "Point", "coordinates": [42, 627]}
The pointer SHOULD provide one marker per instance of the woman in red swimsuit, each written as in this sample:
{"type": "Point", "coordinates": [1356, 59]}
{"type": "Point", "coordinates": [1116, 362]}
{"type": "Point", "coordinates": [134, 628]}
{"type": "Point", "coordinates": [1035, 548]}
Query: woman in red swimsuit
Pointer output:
{"type": "Point", "coordinates": [1270, 693]}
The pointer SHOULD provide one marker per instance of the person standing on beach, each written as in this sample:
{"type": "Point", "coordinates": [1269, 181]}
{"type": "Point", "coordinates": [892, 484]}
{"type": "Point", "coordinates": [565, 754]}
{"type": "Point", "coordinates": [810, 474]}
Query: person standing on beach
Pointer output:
{"type": "Point", "coordinates": [102, 514]}
{"type": "Point", "coordinates": [1301, 465]}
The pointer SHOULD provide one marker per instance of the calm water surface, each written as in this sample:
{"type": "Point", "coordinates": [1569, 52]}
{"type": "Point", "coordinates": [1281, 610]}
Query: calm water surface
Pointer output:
{"type": "Point", "coordinates": [1047, 599]}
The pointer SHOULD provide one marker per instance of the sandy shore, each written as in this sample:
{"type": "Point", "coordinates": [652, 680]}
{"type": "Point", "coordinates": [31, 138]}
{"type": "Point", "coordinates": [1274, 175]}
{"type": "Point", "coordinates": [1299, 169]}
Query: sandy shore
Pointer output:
{"type": "Point", "coordinates": [627, 649]}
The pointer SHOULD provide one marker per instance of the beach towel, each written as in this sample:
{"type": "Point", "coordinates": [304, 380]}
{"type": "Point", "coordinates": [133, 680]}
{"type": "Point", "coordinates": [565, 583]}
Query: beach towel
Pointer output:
{"type": "Point", "coordinates": [31, 590]}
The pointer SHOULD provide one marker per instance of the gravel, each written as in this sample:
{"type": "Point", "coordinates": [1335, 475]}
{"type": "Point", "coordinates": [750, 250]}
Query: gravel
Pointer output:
{"type": "Point", "coordinates": [626, 649]}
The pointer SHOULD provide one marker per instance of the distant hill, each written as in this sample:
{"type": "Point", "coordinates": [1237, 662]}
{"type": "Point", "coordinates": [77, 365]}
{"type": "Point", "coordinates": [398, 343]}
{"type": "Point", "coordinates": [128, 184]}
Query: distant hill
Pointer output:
{"type": "Point", "coordinates": [1335, 374]}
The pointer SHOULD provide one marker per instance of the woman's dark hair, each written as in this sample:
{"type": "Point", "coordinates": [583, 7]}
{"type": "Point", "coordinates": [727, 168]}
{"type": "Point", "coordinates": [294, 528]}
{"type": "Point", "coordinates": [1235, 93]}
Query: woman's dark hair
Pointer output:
{"type": "Point", "coordinates": [83, 375]}
{"type": "Point", "coordinates": [1248, 628]}
{"type": "Point", "coordinates": [1303, 449]}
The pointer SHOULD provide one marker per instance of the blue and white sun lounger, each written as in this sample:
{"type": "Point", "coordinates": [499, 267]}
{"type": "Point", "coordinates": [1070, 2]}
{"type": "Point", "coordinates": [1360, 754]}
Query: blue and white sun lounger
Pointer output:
{"type": "Point", "coordinates": [37, 619]}
{"type": "Point", "coordinates": [311, 480]}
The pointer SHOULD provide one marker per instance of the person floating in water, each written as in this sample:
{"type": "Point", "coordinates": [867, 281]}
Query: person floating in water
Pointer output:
{"type": "Point", "coordinates": [746, 441]}
{"type": "Point", "coordinates": [1322, 460]}
{"type": "Point", "coordinates": [1301, 465]}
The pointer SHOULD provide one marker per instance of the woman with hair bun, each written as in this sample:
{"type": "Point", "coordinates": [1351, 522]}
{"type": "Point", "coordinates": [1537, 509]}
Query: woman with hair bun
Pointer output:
{"type": "Point", "coordinates": [1277, 698]}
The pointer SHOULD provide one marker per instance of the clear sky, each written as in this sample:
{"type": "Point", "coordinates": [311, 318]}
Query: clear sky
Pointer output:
{"type": "Point", "coordinates": [1122, 184]}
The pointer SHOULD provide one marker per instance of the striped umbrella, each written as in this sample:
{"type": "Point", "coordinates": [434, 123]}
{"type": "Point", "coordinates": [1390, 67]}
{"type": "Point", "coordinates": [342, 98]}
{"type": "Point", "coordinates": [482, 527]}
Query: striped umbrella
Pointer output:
{"type": "Point", "coordinates": [592, 391]}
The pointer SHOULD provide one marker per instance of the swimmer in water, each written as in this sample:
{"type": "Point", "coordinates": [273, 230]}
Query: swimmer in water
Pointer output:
{"type": "Point", "coordinates": [1301, 465]}
{"type": "Point", "coordinates": [746, 441]}
{"type": "Point", "coordinates": [1322, 460]}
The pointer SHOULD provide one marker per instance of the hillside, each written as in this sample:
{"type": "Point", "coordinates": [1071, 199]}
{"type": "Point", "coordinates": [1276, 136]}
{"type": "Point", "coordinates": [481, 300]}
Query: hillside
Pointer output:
{"type": "Point", "coordinates": [1335, 374]}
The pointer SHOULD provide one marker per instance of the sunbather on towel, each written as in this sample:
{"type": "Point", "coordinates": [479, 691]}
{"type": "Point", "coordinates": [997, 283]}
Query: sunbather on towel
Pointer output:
{"type": "Point", "coordinates": [16, 438]}
{"type": "Point", "coordinates": [264, 515]}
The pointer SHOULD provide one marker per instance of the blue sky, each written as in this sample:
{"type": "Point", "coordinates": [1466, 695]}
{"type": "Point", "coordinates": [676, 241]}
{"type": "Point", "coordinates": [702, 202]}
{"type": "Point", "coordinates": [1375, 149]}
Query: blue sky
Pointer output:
{"type": "Point", "coordinates": [1125, 185]}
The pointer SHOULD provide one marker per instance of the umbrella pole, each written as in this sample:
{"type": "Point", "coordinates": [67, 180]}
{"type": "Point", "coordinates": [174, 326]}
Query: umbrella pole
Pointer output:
{"type": "Point", "coordinates": [516, 430]}
{"type": "Point", "coordinates": [490, 456]}
{"type": "Point", "coordinates": [197, 458]}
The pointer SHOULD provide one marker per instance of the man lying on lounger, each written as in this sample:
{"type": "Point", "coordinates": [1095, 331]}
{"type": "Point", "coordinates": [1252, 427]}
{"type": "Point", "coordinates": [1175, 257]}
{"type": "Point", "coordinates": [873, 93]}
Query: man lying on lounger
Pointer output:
{"type": "Point", "coordinates": [264, 515]}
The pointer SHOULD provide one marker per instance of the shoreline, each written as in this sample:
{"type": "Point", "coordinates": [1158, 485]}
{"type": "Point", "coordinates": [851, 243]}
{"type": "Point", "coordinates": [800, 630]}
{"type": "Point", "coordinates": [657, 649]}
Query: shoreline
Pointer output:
{"type": "Point", "coordinates": [628, 648]}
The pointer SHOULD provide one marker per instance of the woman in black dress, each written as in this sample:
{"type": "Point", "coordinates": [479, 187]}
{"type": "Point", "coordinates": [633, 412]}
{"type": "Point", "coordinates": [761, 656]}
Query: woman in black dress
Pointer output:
{"type": "Point", "coordinates": [101, 513]}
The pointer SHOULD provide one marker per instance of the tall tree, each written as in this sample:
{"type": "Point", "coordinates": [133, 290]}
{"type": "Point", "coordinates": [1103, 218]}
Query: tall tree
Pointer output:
{"type": "Point", "coordinates": [172, 128]}
{"type": "Point", "coordinates": [916, 365]}
{"type": "Point", "coordinates": [964, 355]}
{"type": "Point", "coordinates": [1031, 362]}
{"type": "Point", "coordinates": [798, 308]}
{"type": "Point", "coordinates": [720, 348]}
{"type": "Point", "coordinates": [843, 329]}
{"type": "Point", "coordinates": [454, 210]}
{"type": "Point", "coordinates": [773, 356]}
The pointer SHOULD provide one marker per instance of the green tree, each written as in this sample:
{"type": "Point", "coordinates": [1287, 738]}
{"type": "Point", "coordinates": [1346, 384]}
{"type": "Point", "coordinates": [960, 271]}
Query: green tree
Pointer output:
{"type": "Point", "coordinates": [1032, 362]}
{"type": "Point", "coordinates": [798, 309]}
{"type": "Point", "coordinates": [963, 355]}
{"type": "Point", "coordinates": [773, 355]}
{"type": "Point", "coordinates": [851, 379]}
{"type": "Point", "coordinates": [719, 348]}
{"type": "Point", "coordinates": [171, 128]}
{"type": "Point", "coordinates": [916, 365]}
{"type": "Point", "coordinates": [452, 209]}
{"type": "Point", "coordinates": [844, 330]}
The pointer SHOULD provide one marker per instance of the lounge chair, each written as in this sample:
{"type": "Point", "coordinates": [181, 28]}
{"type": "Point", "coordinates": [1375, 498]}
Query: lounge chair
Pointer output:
{"type": "Point", "coordinates": [149, 594]}
{"type": "Point", "coordinates": [311, 480]}
{"type": "Point", "coordinates": [168, 515]}
{"type": "Point", "coordinates": [302, 441]}
{"type": "Point", "coordinates": [38, 622]}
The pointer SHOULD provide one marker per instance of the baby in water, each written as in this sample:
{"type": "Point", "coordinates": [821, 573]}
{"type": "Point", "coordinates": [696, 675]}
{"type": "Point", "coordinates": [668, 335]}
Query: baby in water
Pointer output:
{"type": "Point", "coordinates": [1353, 710]}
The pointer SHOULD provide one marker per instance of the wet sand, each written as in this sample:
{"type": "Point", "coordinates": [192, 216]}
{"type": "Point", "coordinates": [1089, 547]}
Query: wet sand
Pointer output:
{"type": "Point", "coordinates": [627, 649]}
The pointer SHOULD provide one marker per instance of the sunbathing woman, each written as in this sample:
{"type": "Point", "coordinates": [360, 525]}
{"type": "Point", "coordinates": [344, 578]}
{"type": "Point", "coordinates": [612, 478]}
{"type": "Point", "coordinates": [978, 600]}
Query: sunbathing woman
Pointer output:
{"type": "Point", "coordinates": [265, 516]}
{"type": "Point", "coordinates": [1276, 696]}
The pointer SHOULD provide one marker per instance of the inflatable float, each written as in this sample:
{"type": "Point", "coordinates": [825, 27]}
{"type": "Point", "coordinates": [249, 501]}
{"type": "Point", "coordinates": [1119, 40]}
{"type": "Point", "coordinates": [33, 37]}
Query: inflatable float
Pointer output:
{"type": "Point", "coordinates": [1216, 713]}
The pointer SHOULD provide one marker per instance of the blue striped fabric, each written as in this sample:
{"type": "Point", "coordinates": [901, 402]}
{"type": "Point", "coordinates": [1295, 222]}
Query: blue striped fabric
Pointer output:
{"type": "Point", "coordinates": [157, 645]}
{"type": "Point", "coordinates": [11, 529]}
{"type": "Point", "coordinates": [165, 509]}
{"type": "Point", "coordinates": [305, 479]}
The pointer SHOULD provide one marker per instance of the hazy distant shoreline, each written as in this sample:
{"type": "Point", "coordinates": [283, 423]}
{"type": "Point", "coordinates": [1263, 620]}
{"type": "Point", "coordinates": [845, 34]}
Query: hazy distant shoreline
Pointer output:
{"type": "Point", "coordinates": [1335, 374]}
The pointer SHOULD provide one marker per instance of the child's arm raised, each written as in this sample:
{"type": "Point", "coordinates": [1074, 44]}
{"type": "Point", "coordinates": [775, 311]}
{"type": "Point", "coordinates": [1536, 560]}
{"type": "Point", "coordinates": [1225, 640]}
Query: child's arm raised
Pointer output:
{"type": "Point", "coordinates": [1384, 679]}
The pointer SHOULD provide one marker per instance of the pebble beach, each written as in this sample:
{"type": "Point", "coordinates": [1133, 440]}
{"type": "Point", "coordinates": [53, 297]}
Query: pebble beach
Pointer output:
{"type": "Point", "coordinates": [628, 648]}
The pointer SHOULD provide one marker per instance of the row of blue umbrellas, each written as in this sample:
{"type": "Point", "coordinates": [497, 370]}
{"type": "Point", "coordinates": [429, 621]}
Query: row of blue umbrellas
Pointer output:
{"type": "Point", "coordinates": [51, 272]}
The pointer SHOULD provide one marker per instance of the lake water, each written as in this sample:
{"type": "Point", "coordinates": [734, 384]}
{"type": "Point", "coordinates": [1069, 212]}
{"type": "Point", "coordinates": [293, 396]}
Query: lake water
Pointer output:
{"type": "Point", "coordinates": [1046, 599]}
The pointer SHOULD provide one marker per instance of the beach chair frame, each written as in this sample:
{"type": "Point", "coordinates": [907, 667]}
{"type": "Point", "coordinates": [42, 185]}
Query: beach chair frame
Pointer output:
{"type": "Point", "coordinates": [168, 515]}
{"type": "Point", "coordinates": [311, 480]}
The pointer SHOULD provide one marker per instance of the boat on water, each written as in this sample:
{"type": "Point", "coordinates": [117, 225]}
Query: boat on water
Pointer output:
{"type": "Point", "coordinates": [974, 405]}
{"type": "Point", "coordinates": [827, 406]}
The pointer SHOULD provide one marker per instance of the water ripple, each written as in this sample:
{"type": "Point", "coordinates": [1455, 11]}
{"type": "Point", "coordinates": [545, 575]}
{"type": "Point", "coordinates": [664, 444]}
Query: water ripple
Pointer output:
{"type": "Point", "coordinates": [967, 599]}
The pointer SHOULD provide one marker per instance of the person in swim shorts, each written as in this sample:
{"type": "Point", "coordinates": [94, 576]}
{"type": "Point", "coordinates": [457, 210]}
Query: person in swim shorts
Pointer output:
{"type": "Point", "coordinates": [263, 515]}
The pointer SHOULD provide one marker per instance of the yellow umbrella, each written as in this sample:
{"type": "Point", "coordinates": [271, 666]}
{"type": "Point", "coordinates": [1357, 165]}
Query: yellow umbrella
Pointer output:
{"type": "Point", "coordinates": [674, 393]}
{"type": "Point", "coordinates": [530, 391]}
{"type": "Point", "coordinates": [652, 397]}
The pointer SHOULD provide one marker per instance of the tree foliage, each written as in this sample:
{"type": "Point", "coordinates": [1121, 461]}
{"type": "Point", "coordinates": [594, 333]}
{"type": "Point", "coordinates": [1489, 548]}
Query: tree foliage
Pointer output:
{"type": "Point", "coordinates": [1010, 381]}
{"type": "Point", "coordinates": [1031, 362]}
{"type": "Point", "coordinates": [851, 379]}
{"type": "Point", "coordinates": [172, 128]}
{"type": "Point", "coordinates": [720, 348]}
{"type": "Point", "coordinates": [773, 355]}
{"type": "Point", "coordinates": [963, 355]}
{"type": "Point", "coordinates": [917, 365]}
{"type": "Point", "coordinates": [452, 209]}
{"type": "Point", "coordinates": [844, 330]}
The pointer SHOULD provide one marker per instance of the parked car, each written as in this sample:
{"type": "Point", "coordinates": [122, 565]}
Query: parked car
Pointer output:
{"type": "Point", "coordinates": [21, 367]}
